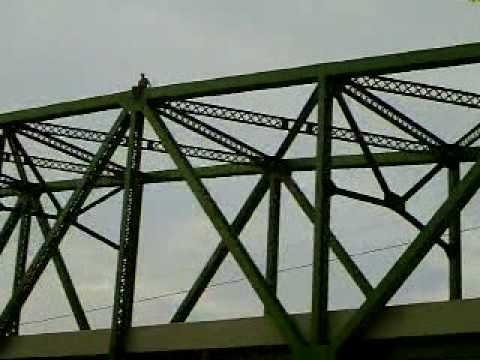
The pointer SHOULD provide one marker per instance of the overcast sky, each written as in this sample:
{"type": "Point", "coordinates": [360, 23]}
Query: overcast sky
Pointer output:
{"type": "Point", "coordinates": [61, 50]}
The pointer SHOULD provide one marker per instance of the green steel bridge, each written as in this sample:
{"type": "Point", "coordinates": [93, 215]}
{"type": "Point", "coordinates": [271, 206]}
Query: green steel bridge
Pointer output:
{"type": "Point", "coordinates": [448, 329]}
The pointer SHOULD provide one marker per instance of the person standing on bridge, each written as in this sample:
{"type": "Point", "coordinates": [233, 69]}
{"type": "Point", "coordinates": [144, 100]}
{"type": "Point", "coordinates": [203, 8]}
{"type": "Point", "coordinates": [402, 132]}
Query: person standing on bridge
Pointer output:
{"type": "Point", "coordinates": [142, 84]}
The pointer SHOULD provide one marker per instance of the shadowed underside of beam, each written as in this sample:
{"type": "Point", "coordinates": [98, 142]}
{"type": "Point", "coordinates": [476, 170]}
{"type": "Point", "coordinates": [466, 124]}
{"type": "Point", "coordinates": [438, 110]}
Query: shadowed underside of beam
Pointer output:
{"type": "Point", "coordinates": [401, 328]}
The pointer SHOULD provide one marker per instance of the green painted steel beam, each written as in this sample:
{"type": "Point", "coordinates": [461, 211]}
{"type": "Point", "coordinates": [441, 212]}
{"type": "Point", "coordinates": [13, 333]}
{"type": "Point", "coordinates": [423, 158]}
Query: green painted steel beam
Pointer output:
{"type": "Point", "coordinates": [64, 109]}
{"type": "Point", "coordinates": [347, 113]}
{"type": "Point", "coordinates": [410, 259]}
{"type": "Point", "coordinates": [11, 222]}
{"type": "Point", "coordinates": [62, 270]}
{"type": "Point", "coordinates": [273, 233]}
{"type": "Point", "coordinates": [455, 238]}
{"type": "Point", "coordinates": [21, 260]}
{"type": "Point", "coordinates": [383, 64]}
{"type": "Point", "coordinates": [242, 218]}
{"type": "Point", "coordinates": [64, 221]}
{"type": "Point", "coordinates": [275, 309]}
{"type": "Point", "coordinates": [404, 325]}
{"type": "Point", "coordinates": [129, 235]}
{"type": "Point", "coordinates": [422, 182]}
{"type": "Point", "coordinates": [397, 158]}
{"type": "Point", "coordinates": [220, 252]}
{"type": "Point", "coordinates": [321, 220]}
{"type": "Point", "coordinates": [92, 233]}
{"type": "Point", "coordinates": [342, 255]}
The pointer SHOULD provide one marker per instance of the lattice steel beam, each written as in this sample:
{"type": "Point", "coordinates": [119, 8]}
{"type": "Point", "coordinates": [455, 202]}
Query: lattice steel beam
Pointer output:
{"type": "Point", "coordinates": [309, 128]}
{"type": "Point", "coordinates": [300, 164]}
{"type": "Point", "coordinates": [419, 90]}
{"type": "Point", "coordinates": [47, 163]}
{"type": "Point", "coordinates": [248, 117]}
{"type": "Point", "coordinates": [147, 144]}
{"type": "Point", "coordinates": [284, 123]}
{"type": "Point", "coordinates": [211, 133]}
{"type": "Point", "coordinates": [392, 115]}
{"type": "Point", "coordinates": [232, 114]}
{"type": "Point", "coordinates": [34, 133]}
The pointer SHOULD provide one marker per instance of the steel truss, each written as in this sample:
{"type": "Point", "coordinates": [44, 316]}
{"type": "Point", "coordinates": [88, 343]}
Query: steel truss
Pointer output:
{"type": "Point", "coordinates": [361, 81]}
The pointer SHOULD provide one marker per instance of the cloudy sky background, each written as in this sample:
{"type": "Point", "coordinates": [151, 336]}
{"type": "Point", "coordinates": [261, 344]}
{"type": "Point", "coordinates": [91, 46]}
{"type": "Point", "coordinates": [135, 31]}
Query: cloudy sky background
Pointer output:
{"type": "Point", "coordinates": [60, 50]}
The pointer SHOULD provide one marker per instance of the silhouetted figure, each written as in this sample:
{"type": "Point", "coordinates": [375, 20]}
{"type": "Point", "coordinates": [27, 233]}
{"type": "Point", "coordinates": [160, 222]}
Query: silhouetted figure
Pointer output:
{"type": "Point", "coordinates": [142, 84]}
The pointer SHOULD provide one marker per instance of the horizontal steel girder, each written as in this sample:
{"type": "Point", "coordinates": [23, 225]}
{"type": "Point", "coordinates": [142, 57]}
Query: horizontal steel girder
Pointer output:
{"type": "Point", "coordinates": [300, 164]}
{"type": "Point", "coordinates": [377, 65]}
{"type": "Point", "coordinates": [403, 325]}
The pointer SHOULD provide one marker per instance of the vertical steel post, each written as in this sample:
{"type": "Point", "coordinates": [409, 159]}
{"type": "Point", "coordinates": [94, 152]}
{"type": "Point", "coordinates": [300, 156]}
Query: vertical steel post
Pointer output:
{"type": "Point", "coordinates": [321, 231]}
{"type": "Point", "coordinates": [273, 232]}
{"type": "Point", "coordinates": [129, 233]}
{"type": "Point", "coordinates": [2, 150]}
{"type": "Point", "coordinates": [454, 236]}
{"type": "Point", "coordinates": [21, 261]}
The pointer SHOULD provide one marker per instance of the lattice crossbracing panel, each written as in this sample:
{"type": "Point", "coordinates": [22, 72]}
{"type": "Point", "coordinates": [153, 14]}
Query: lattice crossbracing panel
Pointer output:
{"type": "Point", "coordinates": [45, 133]}
{"type": "Point", "coordinates": [147, 144]}
{"type": "Point", "coordinates": [422, 91]}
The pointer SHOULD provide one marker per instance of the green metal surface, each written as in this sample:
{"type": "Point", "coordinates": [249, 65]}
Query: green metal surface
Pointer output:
{"type": "Point", "coordinates": [275, 309]}
{"type": "Point", "coordinates": [171, 103]}
{"type": "Point", "coordinates": [321, 225]}
{"type": "Point", "coordinates": [129, 234]}
{"type": "Point", "coordinates": [399, 158]}
{"type": "Point", "coordinates": [409, 260]}
{"type": "Point", "coordinates": [62, 271]}
{"type": "Point", "coordinates": [11, 222]}
{"type": "Point", "coordinates": [241, 219]}
{"type": "Point", "coordinates": [345, 259]}
{"type": "Point", "coordinates": [273, 233]}
{"type": "Point", "coordinates": [21, 259]}
{"type": "Point", "coordinates": [384, 64]}
{"type": "Point", "coordinates": [454, 238]}
{"type": "Point", "coordinates": [65, 219]}
{"type": "Point", "coordinates": [363, 145]}
{"type": "Point", "coordinates": [221, 252]}
{"type": "Point", "coordinates": [422, 182]}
